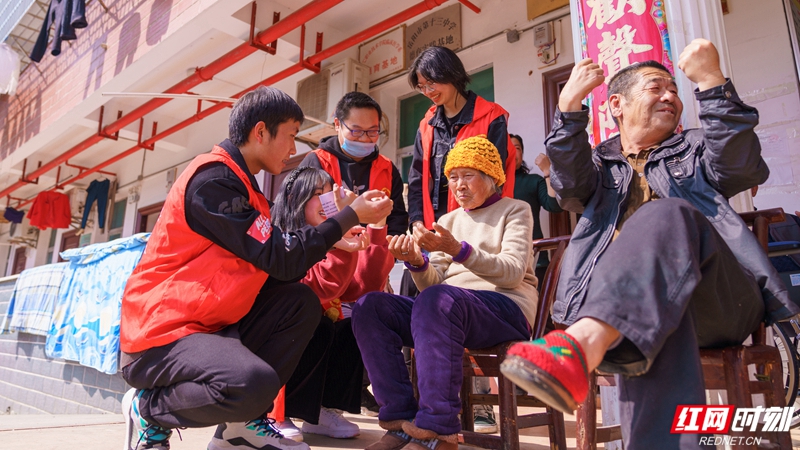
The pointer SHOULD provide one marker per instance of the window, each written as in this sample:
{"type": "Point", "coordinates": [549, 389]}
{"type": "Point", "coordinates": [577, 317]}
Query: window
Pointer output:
{"type": "Point", "coordinates": [51, 246]}
{"type": "Point", "coordinates": [20, 260]}
{"type": "Point", "coordinates": [147, 217]}
{"type": "Point", "coordinates": [413, 109]}
{"type": "Point", "coordinates": [69, 239]}
{"type": "Point", "coordinates": [117, 219]}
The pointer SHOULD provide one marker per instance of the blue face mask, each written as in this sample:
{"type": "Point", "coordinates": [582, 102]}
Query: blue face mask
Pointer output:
{"type": "Point", "coordinates": [358, 149]}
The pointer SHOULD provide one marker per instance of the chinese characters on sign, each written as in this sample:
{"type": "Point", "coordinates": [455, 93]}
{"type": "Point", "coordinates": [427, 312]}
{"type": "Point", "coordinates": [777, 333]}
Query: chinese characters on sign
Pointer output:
{"type": "Point", "coordinates": [385, 54]}
{"type": "Point", "coordinates": [441, 28]}
{"type": "Point", "coordinates": [617, 34]}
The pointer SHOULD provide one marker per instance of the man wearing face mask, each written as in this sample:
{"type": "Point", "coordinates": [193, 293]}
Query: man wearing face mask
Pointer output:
{"type": "Point", "coordinates": [352, 159]}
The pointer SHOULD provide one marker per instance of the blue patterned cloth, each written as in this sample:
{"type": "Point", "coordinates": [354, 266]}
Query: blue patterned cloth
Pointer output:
{"type": "Point", "coordinates": [30, 309]}
{"type": "Point", "coordinates": [85, 324]}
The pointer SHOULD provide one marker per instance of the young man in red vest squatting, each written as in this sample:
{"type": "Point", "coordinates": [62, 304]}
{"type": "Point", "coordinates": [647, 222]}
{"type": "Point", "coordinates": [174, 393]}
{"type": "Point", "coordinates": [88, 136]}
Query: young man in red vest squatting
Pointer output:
{"type": "Point", "coordinates": [205, 339]}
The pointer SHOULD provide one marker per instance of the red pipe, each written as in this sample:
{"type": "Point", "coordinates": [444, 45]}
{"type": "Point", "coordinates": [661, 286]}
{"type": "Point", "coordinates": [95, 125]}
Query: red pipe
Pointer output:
{"type": "Point", "coordinates": [470, 5]}
{"type": "Point", "coordinates": [289, 71]}
{"type": "Point", "coordinates": [374, 30]}
{"type": "Point", "coordinates": [292, 21]}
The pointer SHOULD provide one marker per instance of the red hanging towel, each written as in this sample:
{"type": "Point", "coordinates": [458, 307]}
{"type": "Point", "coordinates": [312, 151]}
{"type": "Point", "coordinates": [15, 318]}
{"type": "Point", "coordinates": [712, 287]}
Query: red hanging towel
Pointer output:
{"type": "Point", "coordinates": [50, 210]}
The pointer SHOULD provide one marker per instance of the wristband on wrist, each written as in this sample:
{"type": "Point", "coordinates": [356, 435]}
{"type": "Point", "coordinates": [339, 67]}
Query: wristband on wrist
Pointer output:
{"type": "Point", "coordinates": [464, 253]}
{"type": "Point", "coordinates": [421, 268]}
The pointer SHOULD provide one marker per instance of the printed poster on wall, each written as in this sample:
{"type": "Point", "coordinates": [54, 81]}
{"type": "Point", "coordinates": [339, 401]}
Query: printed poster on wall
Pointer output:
{"type": "Point", "coordinates": [616, 34]}
{"type": "Point", "coordinates": [440, 28]}
{"type": "Point", "coordinates": [384, 55]}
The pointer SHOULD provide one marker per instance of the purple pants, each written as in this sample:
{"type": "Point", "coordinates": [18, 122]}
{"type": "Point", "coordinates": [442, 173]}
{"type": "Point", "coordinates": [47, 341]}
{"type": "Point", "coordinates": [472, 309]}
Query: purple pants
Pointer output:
{"type": "Point", "coordinates": [439, 324]}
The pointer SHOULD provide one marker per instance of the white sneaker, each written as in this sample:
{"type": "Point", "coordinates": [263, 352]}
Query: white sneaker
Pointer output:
{"type": "Point", "coordinates": [289, 430]}
{"type": "Point", "coordinates": [332, 424]}
{"type": "Point", "coordinates": [139, 434]}
{"type": "Point", "coordinates": [254, 434]}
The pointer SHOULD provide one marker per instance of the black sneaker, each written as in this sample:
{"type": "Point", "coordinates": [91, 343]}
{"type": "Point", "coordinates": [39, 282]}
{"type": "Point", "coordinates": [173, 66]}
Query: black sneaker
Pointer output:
{"type": "Point", "coordinates": [369, 407]}
{"type": "Point", "coordinates": [485, 422]}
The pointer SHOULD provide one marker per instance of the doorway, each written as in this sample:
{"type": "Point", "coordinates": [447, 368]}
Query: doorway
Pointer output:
{"type": "Point", "coordinates": [20, 260]}
{"type": "Point", "coordinates": [552, 84]}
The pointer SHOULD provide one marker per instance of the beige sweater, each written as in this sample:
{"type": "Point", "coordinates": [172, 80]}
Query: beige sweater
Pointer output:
{"type": "Point", "coordinates": [501, 258]}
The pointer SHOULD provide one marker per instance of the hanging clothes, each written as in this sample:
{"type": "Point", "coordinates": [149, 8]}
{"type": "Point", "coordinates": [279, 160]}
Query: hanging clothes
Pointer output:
{"type": "Point", "coordinates": [30, 309]}
{"type": "Point", "coordinates": [97, 190]}
{"type": "Point", "coordinates": [9, 69]}
{"type": "Point", "coordinates": [85, 325]}
{"type": "Point", "coordinates": [13, 216]}
{"type": "Point", "coordinates": [67, 15]}
{"type": "Point", "coordinates": [50, 210]}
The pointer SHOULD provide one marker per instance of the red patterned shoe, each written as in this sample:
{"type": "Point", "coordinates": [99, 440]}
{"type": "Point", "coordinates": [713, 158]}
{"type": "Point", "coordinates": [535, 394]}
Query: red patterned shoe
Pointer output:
{"type": "Point", "coordinates": [552, 369]}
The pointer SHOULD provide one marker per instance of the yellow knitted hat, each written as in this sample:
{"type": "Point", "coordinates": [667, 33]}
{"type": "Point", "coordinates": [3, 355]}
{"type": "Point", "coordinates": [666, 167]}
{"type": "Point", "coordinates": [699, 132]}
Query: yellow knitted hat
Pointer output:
{"type": "Point", "coordinates": [478, 153]}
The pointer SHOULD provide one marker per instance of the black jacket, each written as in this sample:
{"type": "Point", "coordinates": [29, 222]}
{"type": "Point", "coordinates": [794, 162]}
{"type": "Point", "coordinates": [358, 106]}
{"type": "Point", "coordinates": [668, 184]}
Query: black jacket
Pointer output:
{"type": "Point", "coordinates": [67, 15]}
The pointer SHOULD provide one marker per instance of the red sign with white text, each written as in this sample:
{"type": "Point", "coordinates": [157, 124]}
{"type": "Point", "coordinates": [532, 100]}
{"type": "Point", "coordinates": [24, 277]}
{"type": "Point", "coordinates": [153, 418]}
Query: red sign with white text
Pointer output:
{"type": "Point", "coordinates": [705, 419]}
{"type": "Point", "coordinates": [616, 34]}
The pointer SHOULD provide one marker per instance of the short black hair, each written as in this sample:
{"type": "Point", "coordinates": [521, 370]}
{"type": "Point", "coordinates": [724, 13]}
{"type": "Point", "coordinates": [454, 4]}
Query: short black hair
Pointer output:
{"type": "Point", "coordinates": [263, 104]}
{"type": "Point", "coordinates": [524, 167]}
{"type": "Point", "coordinates": [289, 211]}
{"type": "Point", "coordinates": [356, 99]}
{"type": "Point", "coordinates": [622, 81]}
{"type": "Point", "coordinates": [440, 65]}
{"type": "Point", "coordinates": [519, 138]}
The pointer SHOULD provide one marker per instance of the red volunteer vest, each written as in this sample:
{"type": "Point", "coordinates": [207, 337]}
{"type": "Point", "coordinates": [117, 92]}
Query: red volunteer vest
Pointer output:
{"type": "Point", "coordinates": [185, 283]}
{"type": "Point", "coordinates": [380, 174]}
{"type": "Point", "coordinates": [483, 115]}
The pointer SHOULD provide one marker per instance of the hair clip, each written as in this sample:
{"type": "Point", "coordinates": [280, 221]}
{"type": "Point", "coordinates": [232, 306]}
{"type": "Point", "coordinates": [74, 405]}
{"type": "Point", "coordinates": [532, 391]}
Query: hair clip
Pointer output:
{"type": "Point", "coordinates": [293, 177]}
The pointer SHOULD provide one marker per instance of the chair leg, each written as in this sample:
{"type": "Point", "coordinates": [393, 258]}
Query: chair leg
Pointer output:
{"type": "Point", "coordinates": [775, 372]}
{"type": "Point", "coordinates": [558, 435]}
{"type": "Point", "coordinates": [509, 433]}
{"type": "Point", "coordinates": [586, 418]}
{"type": "Point", "coordinates": [737, 380]}
{"type": "Point", "coordinates": [467, 411]}
{"type": "Point", "coordinates": [737, 385]}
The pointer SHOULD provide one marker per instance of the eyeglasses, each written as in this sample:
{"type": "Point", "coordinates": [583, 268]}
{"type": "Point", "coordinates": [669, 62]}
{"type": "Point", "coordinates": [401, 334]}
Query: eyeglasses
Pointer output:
{"type": "Point", "coordinates": [358, 133]}
{"type": "Point", "coordinates": [430, 86]}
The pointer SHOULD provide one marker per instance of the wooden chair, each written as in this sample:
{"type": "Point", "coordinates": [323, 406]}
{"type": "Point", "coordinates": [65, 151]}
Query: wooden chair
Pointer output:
{"type": "Point", "coordinates": [724, 369]}
{"type": "Point", "coordinates": [486, 363]}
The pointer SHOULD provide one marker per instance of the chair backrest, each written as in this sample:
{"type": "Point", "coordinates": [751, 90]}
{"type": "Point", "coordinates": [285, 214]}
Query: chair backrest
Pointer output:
{"type": "Point", "coordinates": [549, 281]}
{"type": "Point", "coordinates": [760, 220]}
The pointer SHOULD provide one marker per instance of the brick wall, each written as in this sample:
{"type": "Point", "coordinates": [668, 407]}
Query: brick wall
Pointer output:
{"type": "Point", "coordinates": [32, 383]}
{"type": "Point", "coordinates": [112, 42]}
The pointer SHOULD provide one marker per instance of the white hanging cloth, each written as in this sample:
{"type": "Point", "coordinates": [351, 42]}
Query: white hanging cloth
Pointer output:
{"type": "Point", "coordinates": [9, 69]}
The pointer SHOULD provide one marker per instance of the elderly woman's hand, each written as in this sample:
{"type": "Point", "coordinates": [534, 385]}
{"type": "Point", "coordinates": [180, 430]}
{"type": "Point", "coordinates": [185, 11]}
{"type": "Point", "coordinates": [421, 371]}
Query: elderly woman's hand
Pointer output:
{"type": "Point", "coordinates": [445, 241]}
{"type": "Point", "coordinates": [404, 248]}
{"type": "Point", "coordinates": [423, 237]}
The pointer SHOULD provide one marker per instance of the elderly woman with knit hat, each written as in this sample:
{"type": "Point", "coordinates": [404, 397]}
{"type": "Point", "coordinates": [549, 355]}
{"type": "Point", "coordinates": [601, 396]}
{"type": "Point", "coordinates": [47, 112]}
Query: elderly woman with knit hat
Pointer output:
{"type": "Point", "coordinates": [478, 289]}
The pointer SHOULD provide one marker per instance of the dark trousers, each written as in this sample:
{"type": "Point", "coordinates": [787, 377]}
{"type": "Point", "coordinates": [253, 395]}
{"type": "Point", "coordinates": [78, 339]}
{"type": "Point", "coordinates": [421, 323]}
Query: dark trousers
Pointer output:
{"type": "Point", "coordinates": [329, 374]}
{"type": "Point", "coordinates": [230, 376]}
{"type": "Point", "coordinates": [97, 190]}
{"type": "Point", "coordinates": [670, 284]}
{"type": "Point", "coordinates": [439, 324]}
